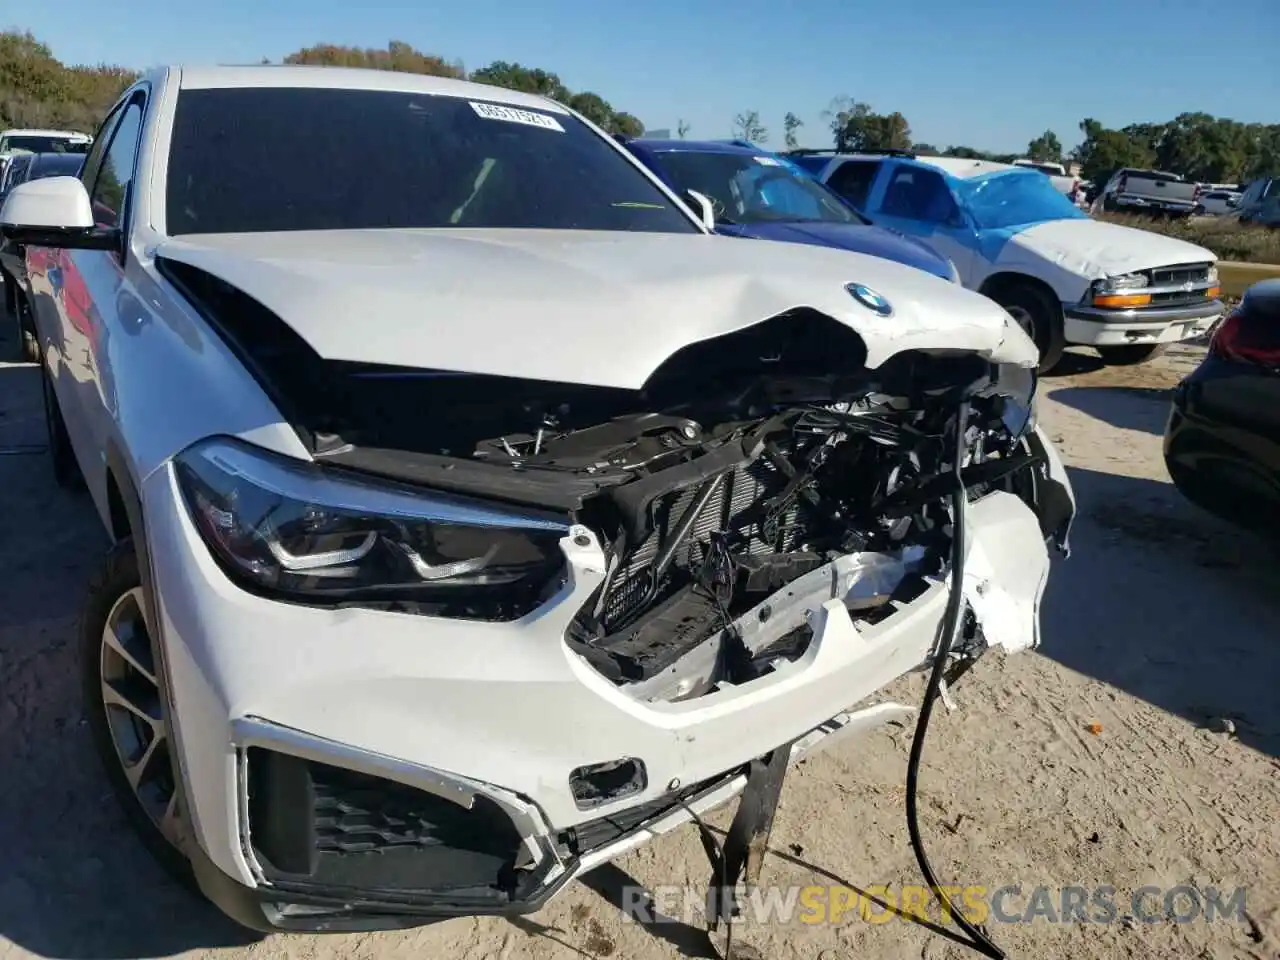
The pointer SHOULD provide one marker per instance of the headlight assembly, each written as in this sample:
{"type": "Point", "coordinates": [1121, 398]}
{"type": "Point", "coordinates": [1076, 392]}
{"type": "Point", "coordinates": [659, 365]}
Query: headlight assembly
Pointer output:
{"type": "Point", "coordinates": [1124, 291]}
{"type": "Point", "coordinates": [296, 531]}
{"type": "Point", "coordinates": [1123, 281]}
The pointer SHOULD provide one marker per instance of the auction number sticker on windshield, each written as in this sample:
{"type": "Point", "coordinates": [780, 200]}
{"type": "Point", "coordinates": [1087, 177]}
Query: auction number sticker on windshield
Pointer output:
{"type": "Point", "coordinates": [493, 111]}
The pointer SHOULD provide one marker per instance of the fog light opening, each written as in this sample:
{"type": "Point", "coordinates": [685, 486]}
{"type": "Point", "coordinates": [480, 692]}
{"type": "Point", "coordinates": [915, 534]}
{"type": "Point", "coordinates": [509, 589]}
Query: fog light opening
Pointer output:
{"type": "Point", "coordinates": [601, 783]}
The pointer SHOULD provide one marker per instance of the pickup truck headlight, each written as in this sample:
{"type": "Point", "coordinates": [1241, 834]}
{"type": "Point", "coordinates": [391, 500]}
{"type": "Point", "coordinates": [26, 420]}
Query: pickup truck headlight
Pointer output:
{"type": "Point", "coordinates": [1122, 291]}
{"type": "Point", "coordinates": [1212, 278]}
{"type": "Point", "coordinates": [297, 531]}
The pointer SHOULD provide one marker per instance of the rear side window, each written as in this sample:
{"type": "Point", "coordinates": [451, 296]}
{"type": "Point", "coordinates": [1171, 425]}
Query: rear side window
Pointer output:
{"type": "Point", "coordinates": [853, 180]}
{"type": "Point", "coordinates": [918, 194]}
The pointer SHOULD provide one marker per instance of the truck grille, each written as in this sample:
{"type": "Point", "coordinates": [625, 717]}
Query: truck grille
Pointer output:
{"type": "Point", "coordinates": [1196, 274]}
{"type": "Point", "coordinates": [738, 507]}
{"type": "Point", "coordinates": [1182, 273]}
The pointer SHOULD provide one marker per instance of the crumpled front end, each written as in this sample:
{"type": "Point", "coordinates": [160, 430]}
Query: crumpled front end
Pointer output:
{"type": "Point", "coordinates": [499, 631]}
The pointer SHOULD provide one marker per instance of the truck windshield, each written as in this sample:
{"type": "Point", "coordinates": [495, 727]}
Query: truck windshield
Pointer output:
{"type": "Point", "coordinates": [42, 144]}
{"type": "Point", "coordinates": [1014, 198]}
{"type": "Point", "coordinates": [247, 160]}
{"type": "Point", "coordinates": [746, 188]}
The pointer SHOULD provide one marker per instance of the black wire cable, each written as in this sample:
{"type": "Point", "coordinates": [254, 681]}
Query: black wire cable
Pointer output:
{"type": "Point", "coordinates": [978, 939]}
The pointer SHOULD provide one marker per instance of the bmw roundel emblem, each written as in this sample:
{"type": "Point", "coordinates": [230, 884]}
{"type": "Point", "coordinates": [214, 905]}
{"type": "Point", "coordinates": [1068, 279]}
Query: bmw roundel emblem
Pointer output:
{"type": "Point", "coordinates": [870, 299]}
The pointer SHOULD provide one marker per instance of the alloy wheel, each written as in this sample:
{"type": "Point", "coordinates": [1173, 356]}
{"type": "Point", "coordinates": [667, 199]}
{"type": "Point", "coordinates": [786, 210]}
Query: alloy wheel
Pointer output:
{"type": "Point", "coordinates": [135, 712]}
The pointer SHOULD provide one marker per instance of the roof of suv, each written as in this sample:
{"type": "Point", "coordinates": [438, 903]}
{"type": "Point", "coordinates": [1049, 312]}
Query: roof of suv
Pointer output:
{"type": "Point", "coordinates": [31, 132]}
{"type": "Point", "coordinates": [348, 78]}
{"type": "Point", "coordinates": [959, 167]}
{"type": "Point", "coordinates": [699, 146]}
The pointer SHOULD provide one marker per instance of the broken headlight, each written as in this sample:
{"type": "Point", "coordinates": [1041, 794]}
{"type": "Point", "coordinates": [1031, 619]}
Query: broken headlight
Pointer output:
{"type": "Point", "coordinates": [294, 530]}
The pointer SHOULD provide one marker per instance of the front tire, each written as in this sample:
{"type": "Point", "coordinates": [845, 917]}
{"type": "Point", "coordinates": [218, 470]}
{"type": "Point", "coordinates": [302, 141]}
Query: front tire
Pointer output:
{"type": "Point", "coordinates": [126, 708]}
{"type": "Point", "coordinates": [1131, 354]}
{"type": "Point", "coordinates": [1037, 313]}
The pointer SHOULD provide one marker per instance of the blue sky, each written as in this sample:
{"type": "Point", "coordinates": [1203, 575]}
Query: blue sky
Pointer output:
{"type": "Point", "coordinates": [987, 73]}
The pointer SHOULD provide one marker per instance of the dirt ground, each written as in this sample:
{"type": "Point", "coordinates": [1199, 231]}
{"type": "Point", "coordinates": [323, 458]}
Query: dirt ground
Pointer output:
{"type": "Point", "coordinates": [1137, 747]}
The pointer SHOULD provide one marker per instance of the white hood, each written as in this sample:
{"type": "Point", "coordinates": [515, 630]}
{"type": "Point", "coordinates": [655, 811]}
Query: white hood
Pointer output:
{"type": "Point", "coordinates": [1096, 249]}
{"type": "Point", "coordinates": [576, 307]}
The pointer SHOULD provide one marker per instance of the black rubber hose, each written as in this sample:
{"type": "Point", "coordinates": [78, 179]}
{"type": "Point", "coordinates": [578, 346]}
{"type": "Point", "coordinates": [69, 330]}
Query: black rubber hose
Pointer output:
{"type": "Point", "coordinates": [979, 941]}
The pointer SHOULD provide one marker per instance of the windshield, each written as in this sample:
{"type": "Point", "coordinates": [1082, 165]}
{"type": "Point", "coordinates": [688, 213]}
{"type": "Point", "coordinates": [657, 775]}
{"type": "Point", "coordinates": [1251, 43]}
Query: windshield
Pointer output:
{"type": "Point", "coordinates": [41, 144]}
{"type": "Point", "coordinates": [54, 165]}
{"type": "Point", "coordinates": [746, 188]}
{"type": "Point", "coordinates": [247, 160]}
{"type": "Point", "coordinates": [1014, 198]}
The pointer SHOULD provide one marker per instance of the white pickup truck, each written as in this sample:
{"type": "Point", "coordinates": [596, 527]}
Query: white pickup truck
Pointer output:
{"type": "Point", "coordinates": [1068, 279]}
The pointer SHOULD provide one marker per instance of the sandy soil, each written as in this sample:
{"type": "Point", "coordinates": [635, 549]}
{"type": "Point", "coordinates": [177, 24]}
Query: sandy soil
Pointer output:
{"type": "Point", "coordinates": [1157, 631]}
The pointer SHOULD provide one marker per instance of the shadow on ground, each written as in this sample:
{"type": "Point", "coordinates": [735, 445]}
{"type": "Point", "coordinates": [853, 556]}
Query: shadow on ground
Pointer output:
{"type": "Point", "coordinates": [1073, 363]}
{"type": "Point", "coordinates": [1145, 409]}
{"type": "Point", "coordinates": [1170, 605]}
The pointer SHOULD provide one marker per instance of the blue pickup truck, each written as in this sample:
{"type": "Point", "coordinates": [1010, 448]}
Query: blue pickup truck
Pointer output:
{"type": "Point", "coordinates": [758, 194]}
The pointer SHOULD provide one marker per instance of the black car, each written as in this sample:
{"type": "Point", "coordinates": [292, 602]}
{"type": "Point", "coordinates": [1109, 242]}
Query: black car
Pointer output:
{"type": "Point", "coordinates": [1222, 443]}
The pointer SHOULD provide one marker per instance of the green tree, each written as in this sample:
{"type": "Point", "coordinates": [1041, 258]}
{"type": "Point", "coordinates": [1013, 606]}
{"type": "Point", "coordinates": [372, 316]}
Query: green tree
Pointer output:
{"type": "Point", "coordinates": [747, 126]}
{"type": "Point", "coordinates": [790, 124]}
{"type": "Point", "coordinates": [890, 132]}
{"type": "Point", "coordinates": [625, 125]}
{"type": "Point", "coordinates": [682, 128]}
{"type": "Point", "coordinates": [1105, 151]}
{"type": "Point", "coordinates": [1046, 148]}
{"type": "Point", "coordinates": [593, 107]}
{"type": "Point", "coordinates": [398, 56]}
{"type": "Point", "coordinates": [855, 126]}
{"type": "Point", "coordinates": [1197, 146]}
{"type": "Point", "coordinates": [848, 120]}
{"type": "Point", "coordinates": [38, 90]}
{"type": "Point", "coordinates": [965, 153]}
{"type": "Point", "coordinates": [514, 76]}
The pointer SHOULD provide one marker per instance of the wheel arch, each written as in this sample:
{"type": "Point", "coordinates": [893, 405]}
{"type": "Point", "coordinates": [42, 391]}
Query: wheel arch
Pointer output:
{"type": "Point", "coordinates": [1052, 339]}
{"type": "Point", "coordinates": [1004, 280]}
{"type": "Point", "coordinates": [125, 518]}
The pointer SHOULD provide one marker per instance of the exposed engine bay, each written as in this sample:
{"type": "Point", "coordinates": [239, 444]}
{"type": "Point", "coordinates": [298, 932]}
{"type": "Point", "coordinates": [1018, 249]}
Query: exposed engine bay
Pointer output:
{"type": "Point", "coordinates": [748, 463]}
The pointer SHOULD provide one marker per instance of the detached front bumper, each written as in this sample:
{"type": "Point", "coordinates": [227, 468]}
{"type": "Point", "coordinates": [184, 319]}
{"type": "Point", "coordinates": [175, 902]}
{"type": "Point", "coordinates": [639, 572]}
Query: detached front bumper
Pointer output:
{"type": "Point", "coordinates": [355, 769]}
{"type": "Point", "coordinates": [1099, 327]}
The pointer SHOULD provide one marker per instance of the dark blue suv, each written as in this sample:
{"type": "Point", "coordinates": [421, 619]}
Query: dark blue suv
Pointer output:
{"type": "Point", "coordinates": [761, 195]}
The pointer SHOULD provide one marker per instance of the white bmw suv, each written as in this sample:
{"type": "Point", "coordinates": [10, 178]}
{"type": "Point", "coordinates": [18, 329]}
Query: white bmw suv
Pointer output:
{"type": "Point", "coordinates": [478, 513]}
